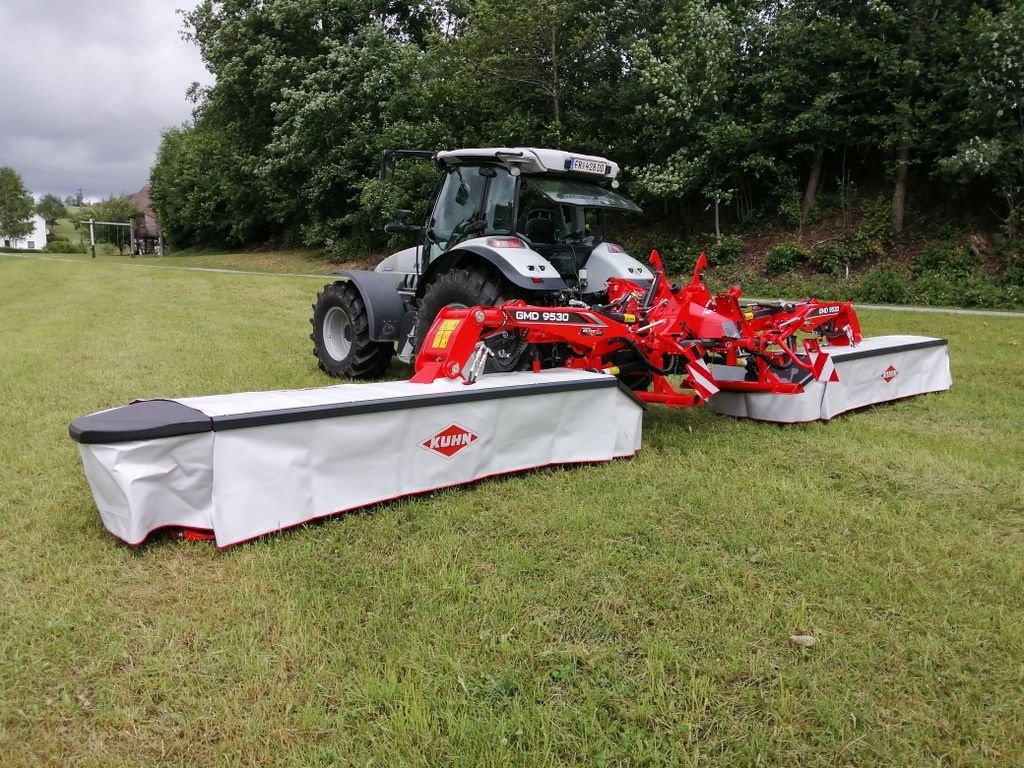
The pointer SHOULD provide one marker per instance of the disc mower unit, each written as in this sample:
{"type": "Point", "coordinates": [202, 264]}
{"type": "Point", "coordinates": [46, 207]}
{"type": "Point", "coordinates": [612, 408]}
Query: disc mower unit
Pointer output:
{"type": "Point", "coordinates": [878, 370]}
{"type": "Point", "coordinates": [247, 464]}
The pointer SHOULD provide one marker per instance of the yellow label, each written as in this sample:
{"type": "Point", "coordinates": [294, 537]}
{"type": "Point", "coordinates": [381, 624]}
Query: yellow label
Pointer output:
{"type": "Point", "coordinates": [628, 318]}
{"type": "Point", "coordinates": [444, 334]}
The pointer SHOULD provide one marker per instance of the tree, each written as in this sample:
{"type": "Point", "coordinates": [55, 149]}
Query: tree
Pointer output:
{"type": "Point", "coordinates": [914, 83]}
{"type": "Point", "coordinates": [803, 87]}
{"type": "Point", "coordinates": [993, 112]}
{"type": "Point", "coordinates": [330, 131]}
{"type": "Point", "coordinates": [51, 208]}
{"type": "Point", "coordinates": [16, 206]}
{"type": "Point", "coordinates": [691, 72]}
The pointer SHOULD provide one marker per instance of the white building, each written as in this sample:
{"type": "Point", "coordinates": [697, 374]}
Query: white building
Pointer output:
{"type": "Point", "coordinates": [34, 241]}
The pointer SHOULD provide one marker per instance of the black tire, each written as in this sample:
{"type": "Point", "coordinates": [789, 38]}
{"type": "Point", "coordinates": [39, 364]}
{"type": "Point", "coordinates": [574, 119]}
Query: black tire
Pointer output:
{"type": "Point", "coordinates": [471, 287]}
{"type": "Point", "coordinates": [341, 335]}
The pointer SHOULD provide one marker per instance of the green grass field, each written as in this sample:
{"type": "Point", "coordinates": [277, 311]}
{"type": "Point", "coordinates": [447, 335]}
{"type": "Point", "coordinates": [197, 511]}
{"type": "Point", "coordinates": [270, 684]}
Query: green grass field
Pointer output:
{"type": "Point", "coordinates": [629, 614]}
{"type": "Point", "coordinates": [64, 229]}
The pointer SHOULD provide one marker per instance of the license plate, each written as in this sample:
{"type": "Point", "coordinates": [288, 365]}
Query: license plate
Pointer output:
{"type": "Point", "coordinates": [587, 166]}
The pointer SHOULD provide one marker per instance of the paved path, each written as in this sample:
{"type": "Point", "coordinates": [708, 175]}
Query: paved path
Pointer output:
{"type": "Point", "coordinates": [324, 276]}
{"type": "Point", "coordinates": [144, 265]}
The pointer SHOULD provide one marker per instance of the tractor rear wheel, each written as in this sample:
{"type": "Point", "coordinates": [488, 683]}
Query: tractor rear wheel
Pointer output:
{"type": "Point", "coordinates": [464, 288]}
{"type": "Point", "coordinates": [341, 335]}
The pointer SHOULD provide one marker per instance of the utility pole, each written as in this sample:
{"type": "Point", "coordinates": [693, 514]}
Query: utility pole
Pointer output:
{"type": "Point", "coordinates": [92, 235]}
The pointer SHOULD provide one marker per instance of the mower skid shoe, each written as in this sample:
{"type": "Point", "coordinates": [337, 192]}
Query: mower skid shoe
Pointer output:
{"type": "Point", "coordinates": [878, 370]}
{"type": "Point", "coordinates": [244, 465]}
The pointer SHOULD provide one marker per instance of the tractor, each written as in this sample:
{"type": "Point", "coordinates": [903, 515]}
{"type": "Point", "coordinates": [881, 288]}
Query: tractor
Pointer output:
{"type": "Point", "coordinates": [504, 224]}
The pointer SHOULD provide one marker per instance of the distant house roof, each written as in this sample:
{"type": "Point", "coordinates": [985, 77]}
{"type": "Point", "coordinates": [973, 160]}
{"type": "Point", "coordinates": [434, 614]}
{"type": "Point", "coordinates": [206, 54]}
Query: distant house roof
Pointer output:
{"type": "Point", "coordinates": [146, 225]}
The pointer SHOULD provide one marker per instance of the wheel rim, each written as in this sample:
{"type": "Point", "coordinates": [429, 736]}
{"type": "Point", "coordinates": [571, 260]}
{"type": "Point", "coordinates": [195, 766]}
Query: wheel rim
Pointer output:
{"type": "Point", "coordinates": [337, 333]}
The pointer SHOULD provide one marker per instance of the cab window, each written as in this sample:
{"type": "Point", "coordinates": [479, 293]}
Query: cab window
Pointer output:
{"type": "Point", "coordinates": [501, 204]}
{"type": "Point", "coordinates": [459, 203]}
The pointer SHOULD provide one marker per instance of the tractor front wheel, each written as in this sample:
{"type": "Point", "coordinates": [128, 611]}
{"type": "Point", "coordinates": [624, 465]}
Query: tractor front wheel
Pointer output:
{"type": "Point", "coordinates": [341, 335]}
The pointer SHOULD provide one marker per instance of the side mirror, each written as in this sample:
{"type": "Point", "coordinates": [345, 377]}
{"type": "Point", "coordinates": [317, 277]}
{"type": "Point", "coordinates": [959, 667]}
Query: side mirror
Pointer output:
{"type": "Point", "coordinates": [403, 226]}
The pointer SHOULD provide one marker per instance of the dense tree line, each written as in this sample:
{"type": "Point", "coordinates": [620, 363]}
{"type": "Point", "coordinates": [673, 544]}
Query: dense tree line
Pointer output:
{"type": "Point", "coordinates": [741, 108]}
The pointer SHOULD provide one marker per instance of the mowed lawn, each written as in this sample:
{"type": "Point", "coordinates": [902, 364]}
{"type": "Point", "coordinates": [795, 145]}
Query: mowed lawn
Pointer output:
{"type": "Point", "coordinates": [628, 614]}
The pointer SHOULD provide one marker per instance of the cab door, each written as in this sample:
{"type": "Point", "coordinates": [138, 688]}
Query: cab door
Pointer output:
{"type": "Point", "coordinates": [473, 201]}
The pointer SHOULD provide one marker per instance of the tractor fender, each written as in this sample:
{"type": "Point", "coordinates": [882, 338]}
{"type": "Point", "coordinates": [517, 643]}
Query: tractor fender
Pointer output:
{"type": "Point", "coordinates": [384, 305]}
{"type": "Point", "coordinates": [607, 261]}
{"type": "Point", "coordinates": [522, 267]}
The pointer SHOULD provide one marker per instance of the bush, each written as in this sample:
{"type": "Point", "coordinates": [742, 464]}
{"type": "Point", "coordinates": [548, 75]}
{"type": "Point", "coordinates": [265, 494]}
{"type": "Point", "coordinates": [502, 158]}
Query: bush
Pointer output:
{"type": "Point", "coordinates": [862, 246]}
{"type": "Point", "coordinates": [830, 257]}
{"type": "Point", "coordinates": [677, 258]}
{"type": "Point", "coordinates": [982, 291]}
{"type": "Point", "coordinates": [885, 286]}
{"type": "Point", "coordinates": [876, 226]}
{"type": "Point", "coordinates": [974, 291]}
{"type": "Point", "coordinates": [789, 208]}
{"type": "Point", "coordinates": [1013, 275]}
{"type": "Point", "coordinates": [63, 246]}
{"type": "Point", "coordinates": [784, 257]}
{"type": "Point", "coordinates": [945, 259]}
{"type": "Point", "coordinates": [725, 252]}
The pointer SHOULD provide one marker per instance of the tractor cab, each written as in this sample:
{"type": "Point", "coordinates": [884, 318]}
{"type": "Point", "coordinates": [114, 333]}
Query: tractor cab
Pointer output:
{"type": "Point", "coordinates": [550, 202]}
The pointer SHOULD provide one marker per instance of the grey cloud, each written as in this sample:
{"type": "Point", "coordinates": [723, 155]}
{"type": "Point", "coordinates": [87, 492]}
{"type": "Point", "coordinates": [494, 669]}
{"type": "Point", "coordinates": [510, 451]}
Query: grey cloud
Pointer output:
{"type": "Point", "coordinates": [86, 88]}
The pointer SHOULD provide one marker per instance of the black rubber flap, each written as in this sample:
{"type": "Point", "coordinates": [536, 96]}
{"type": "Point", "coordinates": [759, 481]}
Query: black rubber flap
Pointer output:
{"type": "Point", "coordinates": [143, 420]}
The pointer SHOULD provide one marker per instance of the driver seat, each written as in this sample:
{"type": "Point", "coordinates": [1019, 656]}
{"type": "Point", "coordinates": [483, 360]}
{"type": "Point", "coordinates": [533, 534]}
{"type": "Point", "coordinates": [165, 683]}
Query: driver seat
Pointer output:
{"type": "Point", "coordinates": [541, 231]}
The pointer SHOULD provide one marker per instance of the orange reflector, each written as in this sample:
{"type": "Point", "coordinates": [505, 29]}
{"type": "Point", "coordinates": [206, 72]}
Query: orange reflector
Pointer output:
{"type": "Point", "coordinates": [444, 334]}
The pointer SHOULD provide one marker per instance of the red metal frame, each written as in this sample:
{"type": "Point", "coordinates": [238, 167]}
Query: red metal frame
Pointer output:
{"type": "Point", "coordinates": [671, 330]}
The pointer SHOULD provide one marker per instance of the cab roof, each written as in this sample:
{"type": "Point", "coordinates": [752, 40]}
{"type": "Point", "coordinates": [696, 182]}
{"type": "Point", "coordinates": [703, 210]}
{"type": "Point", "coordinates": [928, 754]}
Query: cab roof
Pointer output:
{"type": "Point", "coordinates": [531, 160]}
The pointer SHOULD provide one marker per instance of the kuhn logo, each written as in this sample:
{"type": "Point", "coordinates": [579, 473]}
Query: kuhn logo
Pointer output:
{"type": "Point", "coordinates": [889, 374]}
{"type": "Point", "coordinates": [450, 440]}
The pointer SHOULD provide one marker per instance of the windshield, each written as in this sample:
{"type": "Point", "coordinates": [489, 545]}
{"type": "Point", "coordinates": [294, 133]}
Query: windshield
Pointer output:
{"type": "Point", "coordinates": [582, 193]}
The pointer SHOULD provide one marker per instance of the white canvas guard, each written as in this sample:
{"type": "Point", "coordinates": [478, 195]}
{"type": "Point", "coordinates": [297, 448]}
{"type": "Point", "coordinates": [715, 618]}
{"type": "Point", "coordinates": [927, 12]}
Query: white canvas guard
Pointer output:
{"type": "Point", "coordinates": [273, 460]}
{"type": "Point", "coordinates": [143, 485]}
{"type": "Point", "coordinates": [878, 370]}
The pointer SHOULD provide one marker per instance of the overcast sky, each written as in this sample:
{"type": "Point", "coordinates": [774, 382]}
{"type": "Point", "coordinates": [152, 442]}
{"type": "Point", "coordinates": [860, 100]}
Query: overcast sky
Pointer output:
{"type": "Point", "coordinates": [86, 86]}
